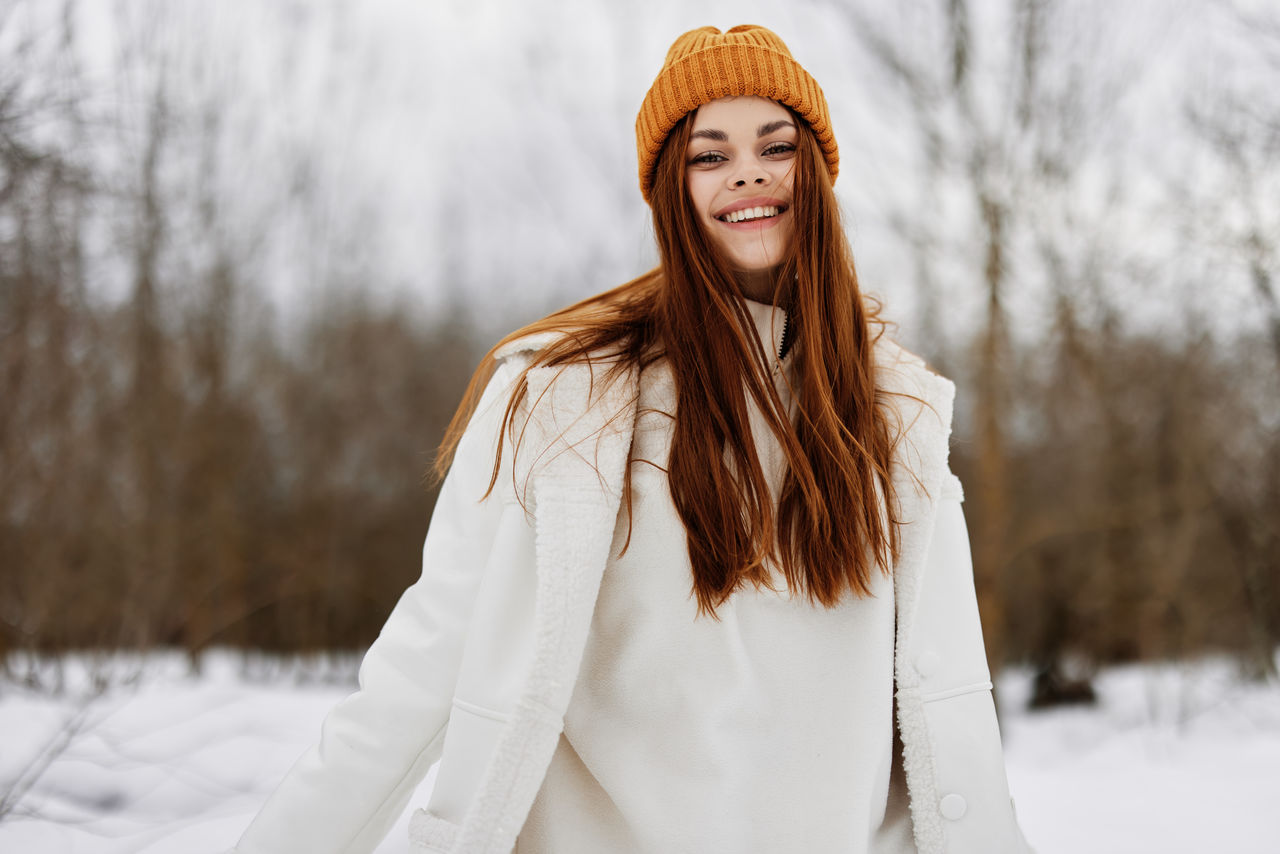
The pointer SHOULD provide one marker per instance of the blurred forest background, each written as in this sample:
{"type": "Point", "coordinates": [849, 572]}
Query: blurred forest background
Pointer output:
{"type": "Point", "coordinates": [250, 253]}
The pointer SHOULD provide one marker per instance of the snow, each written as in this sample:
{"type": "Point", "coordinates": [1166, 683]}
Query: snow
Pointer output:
{"type": "Point", "coordinates": [1173, 758]}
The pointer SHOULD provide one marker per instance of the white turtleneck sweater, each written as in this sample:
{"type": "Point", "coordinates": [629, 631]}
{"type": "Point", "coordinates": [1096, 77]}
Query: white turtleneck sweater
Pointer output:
{"type": "Point", "coordinates": [769, 729]}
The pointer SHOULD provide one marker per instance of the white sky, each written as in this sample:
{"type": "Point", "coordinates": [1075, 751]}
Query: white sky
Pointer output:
{"type": "Point", "coordinates": [480, 152]}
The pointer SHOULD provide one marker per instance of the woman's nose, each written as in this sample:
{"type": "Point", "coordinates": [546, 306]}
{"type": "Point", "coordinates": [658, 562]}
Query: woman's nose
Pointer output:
{"type": "Point", "coordinates": [749, 174]}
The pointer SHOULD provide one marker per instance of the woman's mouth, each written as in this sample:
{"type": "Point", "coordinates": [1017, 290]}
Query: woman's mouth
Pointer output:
{"type": "Point", "coordinates": [752, 214]}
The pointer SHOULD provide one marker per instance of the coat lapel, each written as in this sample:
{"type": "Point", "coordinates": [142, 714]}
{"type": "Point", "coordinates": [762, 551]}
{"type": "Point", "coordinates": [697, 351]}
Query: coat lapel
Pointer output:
{"type": "Point", "coordinates": [574, 457]}
{"type": "Point", "coordinates": [925, 404]}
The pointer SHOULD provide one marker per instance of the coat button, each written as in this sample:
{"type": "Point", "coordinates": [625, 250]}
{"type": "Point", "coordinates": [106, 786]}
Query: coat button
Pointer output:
{"type": "Point", "coordinates": [953, 807]}
{"type": "Point", "coordinates": [927, 663]}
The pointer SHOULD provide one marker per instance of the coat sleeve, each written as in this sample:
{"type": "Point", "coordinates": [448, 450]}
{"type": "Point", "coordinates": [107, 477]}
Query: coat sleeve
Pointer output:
{"type": "Point", "coordinates": [346, 792]}
{"type": "Point", "coordinates": [974, 805]}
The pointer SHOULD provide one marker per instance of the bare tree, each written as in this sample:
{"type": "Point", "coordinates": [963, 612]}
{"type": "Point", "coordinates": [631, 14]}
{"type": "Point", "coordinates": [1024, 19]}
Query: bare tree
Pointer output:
{"type": "Point", "coordinates": [1231, 213]}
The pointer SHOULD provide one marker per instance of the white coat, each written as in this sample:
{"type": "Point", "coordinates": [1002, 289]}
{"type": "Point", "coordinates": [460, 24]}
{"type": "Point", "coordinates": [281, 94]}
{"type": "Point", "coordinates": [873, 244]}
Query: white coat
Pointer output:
{"type": "Point", "coordinates": [477, 663]}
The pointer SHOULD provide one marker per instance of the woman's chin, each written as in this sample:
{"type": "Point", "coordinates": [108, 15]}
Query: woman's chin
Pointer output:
{"type": "Point", "coordinates": [754, 266]}
{"type": "Point", "coordinates": [754, 257]}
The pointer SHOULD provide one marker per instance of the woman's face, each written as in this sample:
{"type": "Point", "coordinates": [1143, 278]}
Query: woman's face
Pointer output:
{"type": "Point", "coordinates": [741, 158]}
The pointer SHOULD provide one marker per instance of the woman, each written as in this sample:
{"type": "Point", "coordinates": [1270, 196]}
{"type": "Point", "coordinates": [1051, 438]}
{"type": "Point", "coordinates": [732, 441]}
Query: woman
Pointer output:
{"type": "Point", "coordinates": [696, 545]}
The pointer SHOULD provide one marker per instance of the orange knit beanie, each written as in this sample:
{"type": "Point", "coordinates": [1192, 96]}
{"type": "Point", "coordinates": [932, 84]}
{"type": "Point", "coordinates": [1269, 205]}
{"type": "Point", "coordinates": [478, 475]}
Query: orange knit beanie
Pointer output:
{"type": "Point", "coordinates": [706, 64]}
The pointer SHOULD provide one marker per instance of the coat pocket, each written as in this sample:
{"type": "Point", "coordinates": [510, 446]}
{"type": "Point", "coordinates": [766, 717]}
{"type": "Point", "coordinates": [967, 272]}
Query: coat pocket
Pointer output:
{"type": "Point", "coordinates": [430, 832]}
{"type": "Point", "coordinates": [468, 746]}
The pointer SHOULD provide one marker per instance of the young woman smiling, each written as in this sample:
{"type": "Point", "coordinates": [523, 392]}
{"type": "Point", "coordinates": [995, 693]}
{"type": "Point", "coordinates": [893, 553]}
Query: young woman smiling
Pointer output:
{"type": "Point", "coordinates": [741, 156]}
{"type": "Point", "coordinates": [698, 577]}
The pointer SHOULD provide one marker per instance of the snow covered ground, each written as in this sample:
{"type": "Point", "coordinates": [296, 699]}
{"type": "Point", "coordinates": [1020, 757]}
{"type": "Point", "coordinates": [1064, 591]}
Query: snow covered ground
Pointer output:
{"type": "Point", "coordinates": [1181, 758]}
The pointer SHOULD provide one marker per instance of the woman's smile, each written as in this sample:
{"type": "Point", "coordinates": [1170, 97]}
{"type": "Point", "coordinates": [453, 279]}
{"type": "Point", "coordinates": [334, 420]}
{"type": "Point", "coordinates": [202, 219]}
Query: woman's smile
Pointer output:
{"type": "Point", "coordinates": [761, 212]}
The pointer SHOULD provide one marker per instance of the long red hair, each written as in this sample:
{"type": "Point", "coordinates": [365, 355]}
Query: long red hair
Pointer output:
{"type": "Point", "coordinates": [835, 524]}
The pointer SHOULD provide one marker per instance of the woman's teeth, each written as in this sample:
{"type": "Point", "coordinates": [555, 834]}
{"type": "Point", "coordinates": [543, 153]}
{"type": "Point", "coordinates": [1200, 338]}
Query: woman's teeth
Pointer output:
{"type": "Point", "coordinates": [749, 213]}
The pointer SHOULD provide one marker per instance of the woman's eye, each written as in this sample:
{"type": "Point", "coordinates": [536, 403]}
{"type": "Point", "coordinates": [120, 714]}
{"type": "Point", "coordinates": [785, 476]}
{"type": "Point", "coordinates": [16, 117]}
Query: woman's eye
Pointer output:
{"type": "Point", "coordinates": [709, 157]}
{"type": "Point", "coordinates": [776, 148]}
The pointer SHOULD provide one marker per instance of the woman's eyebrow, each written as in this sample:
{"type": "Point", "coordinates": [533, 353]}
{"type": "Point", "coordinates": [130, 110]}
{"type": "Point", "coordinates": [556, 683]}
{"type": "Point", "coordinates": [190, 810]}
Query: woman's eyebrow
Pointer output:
{"type": "Point", "coordinates": [770, 127]}
{"type": "Point", "coordinates": [763, 130]}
